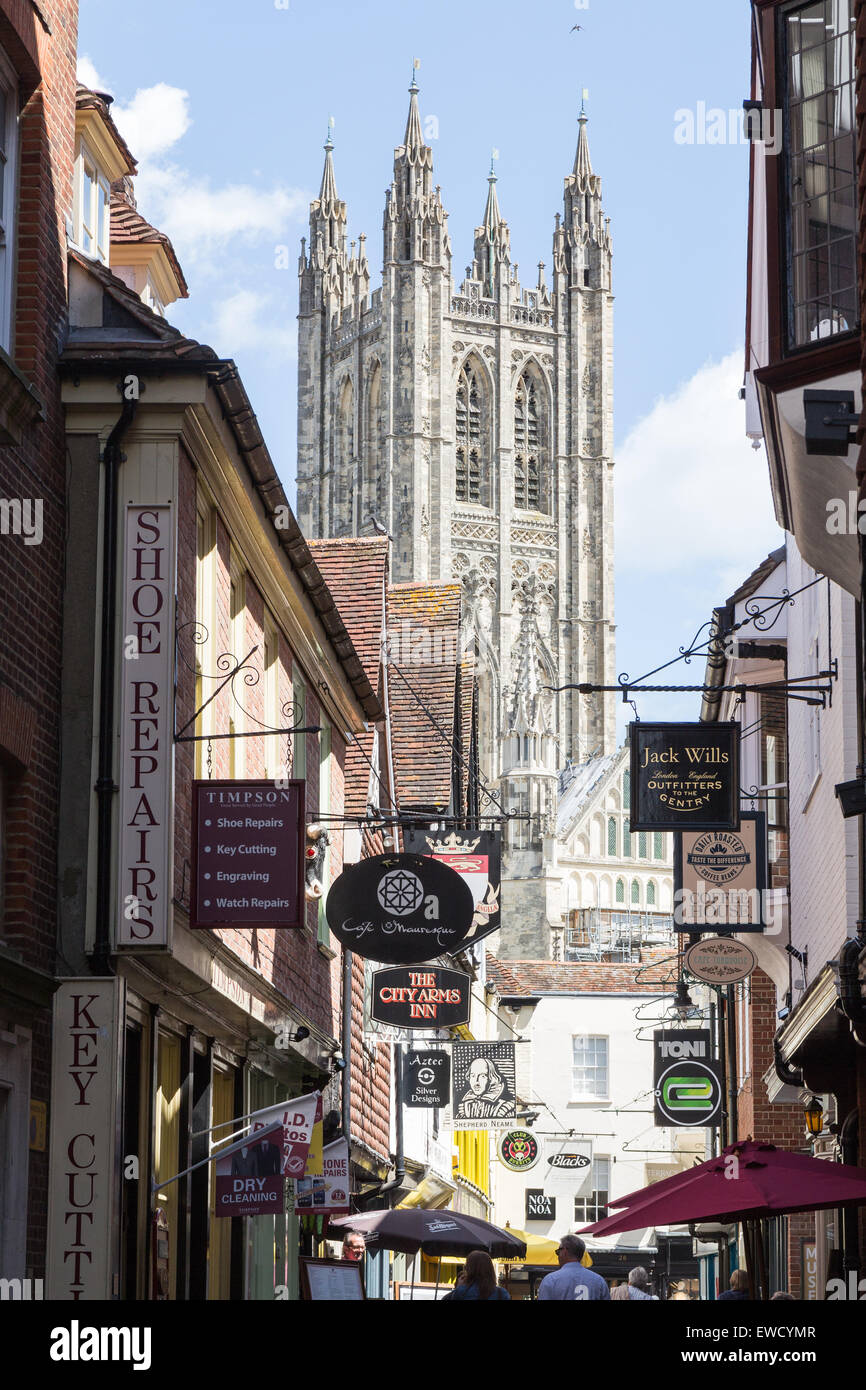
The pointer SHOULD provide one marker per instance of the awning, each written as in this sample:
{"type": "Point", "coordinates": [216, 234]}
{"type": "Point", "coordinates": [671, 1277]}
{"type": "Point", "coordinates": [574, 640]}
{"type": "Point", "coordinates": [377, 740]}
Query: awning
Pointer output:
{"type": "Point", "coordinates": [433, 1193]}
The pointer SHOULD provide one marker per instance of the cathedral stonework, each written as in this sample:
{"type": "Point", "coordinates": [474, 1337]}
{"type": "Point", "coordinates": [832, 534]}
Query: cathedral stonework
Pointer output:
{"type": "Point", "coordinates": [475, 425]}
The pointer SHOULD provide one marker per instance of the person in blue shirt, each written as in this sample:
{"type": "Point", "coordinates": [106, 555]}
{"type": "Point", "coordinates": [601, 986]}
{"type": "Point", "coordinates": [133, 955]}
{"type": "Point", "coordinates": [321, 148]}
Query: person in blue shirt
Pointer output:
{"type": "Point", "coordinates": [572, 1281]}
{"type": "Point", "coordinates": [478, 1281]}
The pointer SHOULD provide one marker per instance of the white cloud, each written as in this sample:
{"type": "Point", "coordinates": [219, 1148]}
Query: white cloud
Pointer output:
{"type": "Point", "coordinates": [154, 120]}
{"type": "Point", "coordinates": [200, 218]}
{"type": "Point", "coordinates": [241, 325]}
{"type": "Point", "coordinates": [692, 495]}
{"type": "Point", "coordinates": [87, 74]}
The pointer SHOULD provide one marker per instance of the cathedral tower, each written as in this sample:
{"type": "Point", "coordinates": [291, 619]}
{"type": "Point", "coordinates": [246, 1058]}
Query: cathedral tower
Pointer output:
{"type": "Point", "coordinates": [475, 423]}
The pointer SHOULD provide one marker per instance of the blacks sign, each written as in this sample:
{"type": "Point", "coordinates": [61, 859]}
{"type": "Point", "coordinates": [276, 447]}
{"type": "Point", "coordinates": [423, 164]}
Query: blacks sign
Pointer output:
{"type": "Point", "coordinates": [539, 1207]}
{"type": "Point", "coordinates": [688, 1086]}
{"type": "Point", "coordinates": [400, 908]}
{"type": "Point", "coordinates": [427, 997]}
{"type": "Point", "coordinates": [685, 776]}
{"type": "Point", "coordinates": [426, 1079]}
{"type": "Point", "coordinates": [568, 1161]}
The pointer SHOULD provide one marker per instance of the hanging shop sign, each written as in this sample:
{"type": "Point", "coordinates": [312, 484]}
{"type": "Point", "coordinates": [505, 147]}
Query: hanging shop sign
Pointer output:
{"type": "Point", "coordinates": [539, 1206]}
{"type": "Point", "coordinates": [144, 879]}
{"type": "Point", "coordinates": [248, 1175]}
{"type": "Point", "coordinates": [720, 878]}
{"type": "Point", "coordinates": [426, 1079]}
{"type": "Point", "coordinates": [400, 909]}
{"type": "Point", "coordinates": [83, 1164]}
{"type": "Point", "coordinates": [475, 855]}
{"type": "Point", "coordinates": [429, 997]}
{"type": "Point", "coordinates": [685, 776]}
{"type": "Point", "coordinates": [326, 1193]}
{"type": "Point", "coordinates": [299, 1119]}
{"type": "Point", "coordinates": [483, 1092]}
{"type": "Point", "coordinates": [687, 1080]}
{"type": "Point", "coordinates": [248, 854]}
{"type": "Point", "coordinates": [518, 1150]}
{"type": "Point", "coordinates": [568, 1169]}
{"type": "Point", "coordinates": [569, 1160]}
{"type": "Point", "coordinates": [720, 960]}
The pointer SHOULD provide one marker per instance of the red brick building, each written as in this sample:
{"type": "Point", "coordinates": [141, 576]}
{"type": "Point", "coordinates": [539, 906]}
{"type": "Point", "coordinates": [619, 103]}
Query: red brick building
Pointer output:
{"type": "Point", "coordinates": [37, 137]}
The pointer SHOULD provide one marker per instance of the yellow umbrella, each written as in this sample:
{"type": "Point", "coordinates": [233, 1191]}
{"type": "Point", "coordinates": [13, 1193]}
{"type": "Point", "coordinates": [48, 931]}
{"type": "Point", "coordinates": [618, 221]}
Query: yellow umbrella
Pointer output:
{"type": "Point", "coordinates": [539, 1249]}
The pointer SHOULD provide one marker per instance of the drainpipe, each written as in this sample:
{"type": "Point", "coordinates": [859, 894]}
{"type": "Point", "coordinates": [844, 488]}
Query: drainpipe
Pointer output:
{"type": "Point", "coordinates": [731, 1049]}
{"type": "Point", "coordinates": [850, 994]}
{"type": "Point", "coordinates": [346, 1047]}
{"type": "Point", "coordinates": [100, 960]}
{"type": "Point", "coordinates": [399, 1158]}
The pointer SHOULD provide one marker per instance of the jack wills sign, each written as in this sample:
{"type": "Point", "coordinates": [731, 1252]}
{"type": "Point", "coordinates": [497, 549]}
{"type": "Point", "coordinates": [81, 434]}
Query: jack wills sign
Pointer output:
{"type": "Point", "coordinates": [247, 854]}
{"type": "Point", "coordinates": [146, 738]}
{"type": "Point", "coordinates": [427, 998]}
{"type": "Point", "coordinates": [685, 776]}
{"type": "Point", "coordinates": [400, 908]}
{"type": "Point", "coordinates": [426, 1079]}
{"type": "Point", "coordinates": [83, 1164]}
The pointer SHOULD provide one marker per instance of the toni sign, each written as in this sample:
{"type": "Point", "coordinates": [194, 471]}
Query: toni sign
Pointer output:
{"type": "Point", "coordinates": [685, 776]}
{"type": "Point", "coordinates": [688, 1087]}
{"type": "Point", "coordinates": [400, 909]}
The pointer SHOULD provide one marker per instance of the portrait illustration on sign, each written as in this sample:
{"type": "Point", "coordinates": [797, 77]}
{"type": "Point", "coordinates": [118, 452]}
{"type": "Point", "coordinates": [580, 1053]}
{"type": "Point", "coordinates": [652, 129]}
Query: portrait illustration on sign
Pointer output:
{"type": "Point", "coordinates": [483, 1086]}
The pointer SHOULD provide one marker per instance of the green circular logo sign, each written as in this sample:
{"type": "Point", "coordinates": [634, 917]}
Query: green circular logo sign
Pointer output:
{"type": "Point", "coordinates": [518, 1150]}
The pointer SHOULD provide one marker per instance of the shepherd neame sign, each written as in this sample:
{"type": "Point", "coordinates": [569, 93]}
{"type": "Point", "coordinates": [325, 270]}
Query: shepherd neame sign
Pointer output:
{"type": "Point", "coordinates": [685, 776]}
{"type": "Point", "coordinates": [400, 909]}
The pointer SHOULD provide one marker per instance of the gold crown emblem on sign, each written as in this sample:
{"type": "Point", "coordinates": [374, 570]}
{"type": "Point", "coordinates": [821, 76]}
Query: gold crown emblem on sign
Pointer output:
{"type": "Point", "coordinates": [457, 846]}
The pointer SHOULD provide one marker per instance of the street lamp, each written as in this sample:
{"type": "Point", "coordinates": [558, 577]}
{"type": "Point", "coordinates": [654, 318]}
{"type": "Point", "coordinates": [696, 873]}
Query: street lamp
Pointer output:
{"type": "Point", "coordinates": [814, 1113]}
{"type": "Point", "coordinates": [683, 1002]}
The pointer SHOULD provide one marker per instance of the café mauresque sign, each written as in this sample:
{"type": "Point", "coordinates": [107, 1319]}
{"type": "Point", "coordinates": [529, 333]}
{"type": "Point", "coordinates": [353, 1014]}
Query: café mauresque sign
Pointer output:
{"type": "Point", "coordinates": [401, 909]}
{"type": "Point", "coordinates": [428, 998]}
{"type": "Point", "coordinates": [685, 776]}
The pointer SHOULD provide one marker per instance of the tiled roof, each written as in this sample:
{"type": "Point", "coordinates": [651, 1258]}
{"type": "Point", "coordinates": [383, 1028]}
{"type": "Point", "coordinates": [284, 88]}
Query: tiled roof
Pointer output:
{"type": "Point", "coordinates": [582, 782]}
{"type": "Point", "coordinates": [355, 571]}
{"type": "Point", "coordinates": [467, 704]}
{"type": "Point", "coordinates": [758, 576]}
{"type": "Point", "coordinates": [85, 100]}
{"type": "Point", "coordinates": [128, 227]}
{"type": "Point", "coordinates": [424, 636]}
{"type": "Point", "coordinates": [157, 340]}
{"type": "Point", "coordinates": [530, 977]}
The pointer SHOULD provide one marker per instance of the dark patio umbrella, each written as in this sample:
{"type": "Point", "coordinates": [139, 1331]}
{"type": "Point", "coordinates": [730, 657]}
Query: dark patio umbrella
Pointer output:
{"type": "Point", "coordinates": [411, 1229]}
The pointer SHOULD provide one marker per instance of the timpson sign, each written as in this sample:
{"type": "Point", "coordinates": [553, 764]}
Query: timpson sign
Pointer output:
{"type": "Point", "coordinates": [144, 880]}
{"type": "Point", "coordinates": [83, 1163]}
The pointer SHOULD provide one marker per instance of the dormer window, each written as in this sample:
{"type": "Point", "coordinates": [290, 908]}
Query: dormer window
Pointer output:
{"type": "Point", "coordinates": [91, 206]}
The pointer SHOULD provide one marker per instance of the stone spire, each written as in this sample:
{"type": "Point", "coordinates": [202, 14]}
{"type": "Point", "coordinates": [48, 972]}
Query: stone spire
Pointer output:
{"type": "Point", "coordinates": [328, 191]}
{"type": "Point", "coordinates": [492, 240]}
{"type": "Point", "coordinates": [413, 140]}
{"type": "Point", "coordinates": [415, 220]}
{"type": "Point", "coordinates": [328, 213]}
{"type": "Point", "coordinates": [582, 171]}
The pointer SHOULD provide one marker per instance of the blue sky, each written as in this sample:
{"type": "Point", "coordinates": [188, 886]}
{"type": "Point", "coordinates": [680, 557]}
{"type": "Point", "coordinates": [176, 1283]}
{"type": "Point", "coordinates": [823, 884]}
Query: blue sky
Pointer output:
{"type": "Point", "coordinates": [230, 147]}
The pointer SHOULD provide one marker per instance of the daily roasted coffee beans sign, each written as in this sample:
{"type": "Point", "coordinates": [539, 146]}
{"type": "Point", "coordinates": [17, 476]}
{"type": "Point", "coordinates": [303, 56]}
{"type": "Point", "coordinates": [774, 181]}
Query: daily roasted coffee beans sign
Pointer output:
{"type": "Point", "coordinates": [475, 855]}
{"type": "Point", "coordinates": [426, 1079]}
{"type": "Point", "coordinates": [685, 776]}
{"type": "Point", "coordinates": [720, 878]}
{"type": "Point", "coordinates": [688, 1086]}
{"type": "Point", "coordinates": [428, 997]}
{"type": "Point", "coordinates": [400, 908]}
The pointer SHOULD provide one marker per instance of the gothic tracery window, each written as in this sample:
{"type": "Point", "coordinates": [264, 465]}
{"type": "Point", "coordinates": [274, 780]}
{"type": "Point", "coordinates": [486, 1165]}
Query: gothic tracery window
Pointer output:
{"type": "Point", "coordinates": [529, 445]}
{"type": "Point", "coordinates": [374, 472]}
{"type": "Point", "coordinates": [471, 480]}
{"type": "Point", "coordinates": [345, 455]}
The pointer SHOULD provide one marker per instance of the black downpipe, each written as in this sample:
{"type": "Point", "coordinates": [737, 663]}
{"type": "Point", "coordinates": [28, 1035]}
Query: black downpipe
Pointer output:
{"type": "Point", "coordinates": [731, 1050]}
{"type": "Point", "coordinates": [346, 1046]}
{"type": "Point", "coordinates": [100, 961]}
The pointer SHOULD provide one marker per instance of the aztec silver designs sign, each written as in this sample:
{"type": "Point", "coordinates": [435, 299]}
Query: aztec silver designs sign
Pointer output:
{"type": "Point", "coordinates": [685, 776]}
{"type": "Point", "coordinates": [144, 879]}
{"type": "Point", "coordinates": [400, 909]}
{"type": "Point", "coordinates": [483, 1085]}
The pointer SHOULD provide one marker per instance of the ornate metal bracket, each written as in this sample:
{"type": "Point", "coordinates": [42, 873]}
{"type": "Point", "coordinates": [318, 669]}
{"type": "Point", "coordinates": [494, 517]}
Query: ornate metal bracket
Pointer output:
{"type": "Point", "coordinates": [228, 669]}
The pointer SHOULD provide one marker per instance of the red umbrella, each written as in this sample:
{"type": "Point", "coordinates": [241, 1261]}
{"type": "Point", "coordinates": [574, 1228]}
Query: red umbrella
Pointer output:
{"type": "Point", "coordinates": [747, 1182]}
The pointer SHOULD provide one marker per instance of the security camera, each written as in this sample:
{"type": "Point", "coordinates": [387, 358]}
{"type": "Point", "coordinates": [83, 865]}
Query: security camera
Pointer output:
{"type": "Point", "coordinates": [338, 1061]}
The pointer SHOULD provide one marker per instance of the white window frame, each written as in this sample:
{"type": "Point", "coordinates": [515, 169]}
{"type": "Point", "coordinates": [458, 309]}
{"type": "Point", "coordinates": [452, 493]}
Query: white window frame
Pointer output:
{"type": "Point", "coordinates": [588, 1096]}
{"type": "Point", "coordinates": [9, 201]}
{"type": "Point", "coordinates": [588, 1208]}
{"type": "Point", "coordinates": [90, 182]}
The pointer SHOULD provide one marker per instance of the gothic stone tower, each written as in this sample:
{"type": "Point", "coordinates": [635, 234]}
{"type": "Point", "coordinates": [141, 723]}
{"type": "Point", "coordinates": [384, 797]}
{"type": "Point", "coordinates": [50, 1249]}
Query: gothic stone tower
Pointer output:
{"type": "Point", "coordinates": [475, 424]}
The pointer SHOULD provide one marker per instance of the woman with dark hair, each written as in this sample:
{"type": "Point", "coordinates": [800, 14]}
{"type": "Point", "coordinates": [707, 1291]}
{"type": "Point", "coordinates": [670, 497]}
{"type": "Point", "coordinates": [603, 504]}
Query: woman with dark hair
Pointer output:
{"type": "Point", "coordinates": [478, 1281]}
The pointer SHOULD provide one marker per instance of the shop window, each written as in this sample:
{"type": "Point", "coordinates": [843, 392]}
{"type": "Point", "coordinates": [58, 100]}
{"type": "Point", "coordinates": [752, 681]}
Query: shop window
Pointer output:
{"type": "Point", "coordinates": [166, 1156]}
{"type": "Point", "coordinates": [220, 1239]}
{"type": "Point", "coordinates": [593, 1207]}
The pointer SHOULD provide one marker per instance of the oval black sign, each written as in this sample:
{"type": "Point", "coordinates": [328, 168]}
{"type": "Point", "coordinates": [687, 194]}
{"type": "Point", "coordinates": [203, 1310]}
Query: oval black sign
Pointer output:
{"type": "Point", "coordinates": [400, 908]}
{"type": "Point", "coordinates": [427, 997]}
{"type": "Point", "coordinates": [568, 1161]}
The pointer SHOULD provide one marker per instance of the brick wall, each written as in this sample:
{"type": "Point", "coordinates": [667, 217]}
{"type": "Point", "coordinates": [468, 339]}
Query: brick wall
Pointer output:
{"type": "Point", "coordinates": [31, 575]}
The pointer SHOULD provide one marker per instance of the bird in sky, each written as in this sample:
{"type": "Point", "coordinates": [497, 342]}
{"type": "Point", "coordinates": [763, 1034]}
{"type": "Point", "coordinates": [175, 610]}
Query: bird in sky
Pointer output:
{"type": "Point", "coordinates": [576, 26]}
